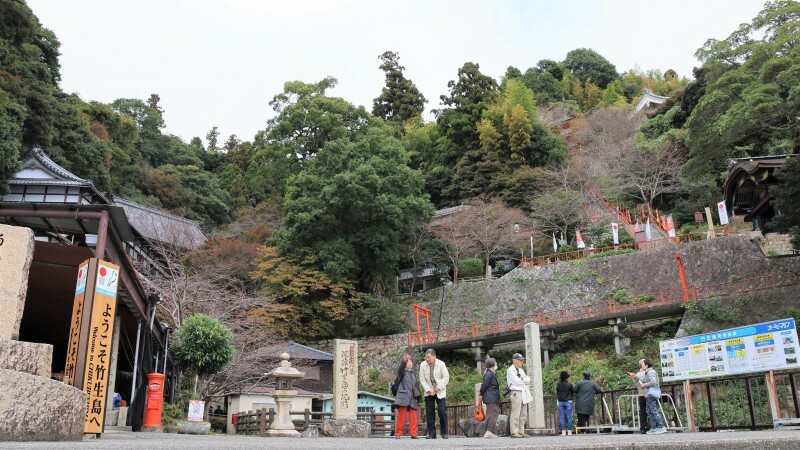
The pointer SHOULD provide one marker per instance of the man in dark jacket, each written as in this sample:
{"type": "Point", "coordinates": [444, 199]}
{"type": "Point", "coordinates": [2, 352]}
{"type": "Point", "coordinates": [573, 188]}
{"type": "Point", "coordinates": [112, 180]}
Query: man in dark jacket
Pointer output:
{"type": "Point", "coordinates": [585, 391]}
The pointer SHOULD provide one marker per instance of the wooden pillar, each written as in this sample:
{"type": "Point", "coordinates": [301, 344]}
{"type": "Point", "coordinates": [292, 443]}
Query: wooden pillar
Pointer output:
{"type": "Point", "coordinates": [772, 394]}
{"type": "Point", "coordinates": [102, 236]}
{"type": "Point", "coordinates": [687, 395]}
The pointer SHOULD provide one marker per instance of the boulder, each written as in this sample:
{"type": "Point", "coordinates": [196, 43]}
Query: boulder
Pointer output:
{"type": "Point", "coordinates": [16, 254]}
{"type": "Point", "coordinates": [503, 425]}
{"type": "Point", "coordinates": [39, 409]}
{"type": "Point", "coordinates": [311, 432]}
{"type": "Point", "coordinates": [472, 428]}
{"type": "Point", "coordinates": [26, 357]}
{"type": "Point", "coordinates": [346, 428]}
{"type": "Point", "coordinates": [187, 427]}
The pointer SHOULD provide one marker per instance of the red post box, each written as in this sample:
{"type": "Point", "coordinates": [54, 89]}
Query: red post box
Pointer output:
{"type": "Point", "coordinates": [155, 399]}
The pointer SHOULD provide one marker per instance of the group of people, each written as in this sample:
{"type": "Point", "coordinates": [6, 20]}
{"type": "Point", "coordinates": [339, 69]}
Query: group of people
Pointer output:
{"type": "Point", "coordinates": [583, 393]}
{"type": "Point", "coordinates": [431, 383]}
{"type": "Point", "coordinates": [433, 378]}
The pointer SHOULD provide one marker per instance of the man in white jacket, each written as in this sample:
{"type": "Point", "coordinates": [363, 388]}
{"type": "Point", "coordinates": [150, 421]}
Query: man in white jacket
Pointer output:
{"type": "Point", "coordinates": [433, 376]}
{"type": "Point", "coordinates": [518, 383]}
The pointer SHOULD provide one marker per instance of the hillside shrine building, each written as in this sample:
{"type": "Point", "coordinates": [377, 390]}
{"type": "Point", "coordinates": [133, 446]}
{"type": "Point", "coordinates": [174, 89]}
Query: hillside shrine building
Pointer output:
{"type": "Point", "coordinates": [73, 222]}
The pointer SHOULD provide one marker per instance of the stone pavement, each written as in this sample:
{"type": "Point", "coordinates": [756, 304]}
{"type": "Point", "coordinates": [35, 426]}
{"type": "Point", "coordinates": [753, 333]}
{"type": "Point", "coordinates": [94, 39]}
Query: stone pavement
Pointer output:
{"type": "Point", "coordinates": [744, 440]}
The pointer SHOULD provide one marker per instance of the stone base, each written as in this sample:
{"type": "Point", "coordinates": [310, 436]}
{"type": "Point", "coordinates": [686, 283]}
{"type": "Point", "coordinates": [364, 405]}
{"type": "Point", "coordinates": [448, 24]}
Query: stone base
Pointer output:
{"type": "Point", "coordinates": [312, 431]}
{"type": "Point", "coordinates": [282, 433]}
{"type": "Point", "coordinates": [187, 427]}
{"type": "Point", "coordinates": [117, 429]}
{"type": "Point", "coordinates": [35, 408]}
{"type": "Point", "coordinates": [152, 430]}
{"type": "Point", "coordinates": [346, 428]}
{"type": "Point", "coordinates": [540, 432]}
{"type": "Point", "coordinates": [26, 357]}
{"type": "Point", "coordinates": [473, 428]}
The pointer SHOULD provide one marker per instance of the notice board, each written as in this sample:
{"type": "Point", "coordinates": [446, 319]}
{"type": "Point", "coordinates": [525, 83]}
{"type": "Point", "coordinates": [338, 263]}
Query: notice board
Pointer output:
{"type": "Point", "coordinates": [760, 347]}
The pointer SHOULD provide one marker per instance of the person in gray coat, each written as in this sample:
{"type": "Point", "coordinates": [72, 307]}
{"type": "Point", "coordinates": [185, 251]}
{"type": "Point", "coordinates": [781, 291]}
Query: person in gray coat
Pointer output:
{"type": "Point", "coordinates": [585, 391]}
{"type": "Point", "coordinates": [406, 401]}
{"type": "Point", "coordinates": [651, 381]}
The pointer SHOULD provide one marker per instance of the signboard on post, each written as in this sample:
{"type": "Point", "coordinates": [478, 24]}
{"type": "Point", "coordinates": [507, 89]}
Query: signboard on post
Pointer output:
{"type": "Point", "coordinates": [75, 327]}
{"type": "Point", "coordinates": [761, 347]}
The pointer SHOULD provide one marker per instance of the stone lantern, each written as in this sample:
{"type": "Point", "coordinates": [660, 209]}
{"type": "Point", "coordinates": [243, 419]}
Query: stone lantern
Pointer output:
{"type": "Point", "coordinates": [284, 375]}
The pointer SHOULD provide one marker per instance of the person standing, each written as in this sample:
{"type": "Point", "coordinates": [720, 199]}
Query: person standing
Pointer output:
{"type": "Point", "coordinates": [434, 377]}
{"type": "Point", "coordinates": [564, 392]}
{"type": "Point", "coordinates": [407, 398]}
{"type": "Point", "coordinates": [642, 398]}
{"type": "Point", "coordinates": [490, 394]}
{"type": "Point", "coordinates": [650, 381]}
{"type": "Point", "coordinates": [518, 382]}
{"type": "Point", "coordinates": [585, 391]}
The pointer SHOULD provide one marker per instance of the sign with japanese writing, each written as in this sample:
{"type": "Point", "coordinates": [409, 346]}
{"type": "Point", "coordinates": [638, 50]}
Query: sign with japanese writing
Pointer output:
{"type": "Point", "coordinates": [196, 409]}
{"type": "Point", "coordinates": [755, 348]}
{"type": "Point", "coordinates": [98, 355]}
{"type": "Point", "coordinates": [723, 213]}
{"type": "Point", "coordinates": [75, 323]}
{"type": "Point", "coordinates": [345, 379]}
{"type": "Point", "coordinates": [615, 232]}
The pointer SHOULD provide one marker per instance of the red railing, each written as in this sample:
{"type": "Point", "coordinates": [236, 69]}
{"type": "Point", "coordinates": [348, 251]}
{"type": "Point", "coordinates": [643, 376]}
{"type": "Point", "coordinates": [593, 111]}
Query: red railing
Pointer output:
{"type": "Point", "coordinates": [630, 304]}
{"type": "Point", "coordinates": [584, 253]}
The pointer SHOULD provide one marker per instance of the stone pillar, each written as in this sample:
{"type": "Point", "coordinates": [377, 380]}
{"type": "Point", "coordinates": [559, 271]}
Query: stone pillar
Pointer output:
{"type": "Point", "coordinates": [621, 343]}
{"type": "Point", "coordinates": [479, 350]}
{"type": "Point", "coordinates": [345, 379]}
{"type": "Point", "coordinates": [16, 254]}
{"type": "Point", "coordinates": [534, 370]}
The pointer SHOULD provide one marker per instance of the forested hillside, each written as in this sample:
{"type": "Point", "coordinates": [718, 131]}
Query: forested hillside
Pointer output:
{"type": "Point", "coordinates": [315, 215]}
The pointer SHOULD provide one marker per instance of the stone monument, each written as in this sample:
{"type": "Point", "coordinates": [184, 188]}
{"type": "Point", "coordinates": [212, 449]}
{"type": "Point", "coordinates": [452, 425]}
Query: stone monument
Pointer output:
{"type": "Point", "coordinates": [345, 393]}
{"type": "Point", "coordinates": [533, 368]}
{"type": "Point", "coordinates": [32, 406]}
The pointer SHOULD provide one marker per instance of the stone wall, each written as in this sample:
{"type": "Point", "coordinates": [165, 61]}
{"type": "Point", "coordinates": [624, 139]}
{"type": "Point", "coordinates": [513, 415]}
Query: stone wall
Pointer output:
{"type": "Point", "coordinates": [381, 353]}
{"type": "Point", "coordinates": [777, 244]}
{"type": "Point", "coordinates": [526, 291]}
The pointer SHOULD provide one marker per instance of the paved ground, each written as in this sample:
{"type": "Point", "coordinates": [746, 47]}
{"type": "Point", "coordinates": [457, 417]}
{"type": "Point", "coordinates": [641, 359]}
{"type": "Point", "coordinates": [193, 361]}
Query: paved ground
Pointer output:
{"type": "Point", "coordinates": [789, 439]}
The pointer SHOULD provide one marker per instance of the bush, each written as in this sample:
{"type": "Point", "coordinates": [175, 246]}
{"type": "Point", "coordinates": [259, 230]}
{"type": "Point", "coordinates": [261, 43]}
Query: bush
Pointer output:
{"type": "Point", "coordinates": [471, 267]}
{"type": "Point", "coordinates": [622, 251]}
{"type": "Point", "coordinates": [171, 413]}
{"type": "Point", "coordinates": [219, 424]}
{"type": "Point", "coordinates": [380, 315]}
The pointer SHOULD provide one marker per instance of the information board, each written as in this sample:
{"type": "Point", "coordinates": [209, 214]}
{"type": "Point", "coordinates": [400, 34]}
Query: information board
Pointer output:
{"type": "Point", "coordinates": [755, 348]}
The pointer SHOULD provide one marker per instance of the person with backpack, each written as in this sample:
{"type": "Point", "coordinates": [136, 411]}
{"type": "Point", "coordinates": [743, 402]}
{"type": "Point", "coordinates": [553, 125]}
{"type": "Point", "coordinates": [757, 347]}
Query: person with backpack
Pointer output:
{"type": "Point", "coordinates": [653, 394]}
{"type": "Point", "coordinates": [564, 392]}
{"type": "Point", "coordinates": [585, 391]}
{"type": "Point", "coordinates": [407, 397]}
{"type": "Point", "coordinates": [490, 394]}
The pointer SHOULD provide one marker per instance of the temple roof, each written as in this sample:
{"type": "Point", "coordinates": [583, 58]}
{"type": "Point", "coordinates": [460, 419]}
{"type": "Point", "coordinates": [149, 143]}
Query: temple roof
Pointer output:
{"type": "Point", "coordinates": [648, 98]}
{"type": "Point", "coordinates": [161, 226]}
{"type": "Point", "coordinates": [40, 169]}
{"type": "Point", "coordinates": [300, 351]}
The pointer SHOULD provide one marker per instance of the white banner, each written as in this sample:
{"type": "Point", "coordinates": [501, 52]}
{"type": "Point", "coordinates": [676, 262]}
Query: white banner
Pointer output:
{"type": "Point", "coordinates": [723, 213]}
{"type": "Point", "coordinates": [670, 226]}
{"type": "Point", "coordinates": [647, 232]}
{"type": "Point", "coordinates": [555, 244]}
{"type": "Point", "coordinates": [579, 239]}
{"type": "Point", "coordinates": [615, 232]}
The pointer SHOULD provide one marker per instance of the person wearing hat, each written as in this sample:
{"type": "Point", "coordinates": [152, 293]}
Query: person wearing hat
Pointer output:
{"type": "Point", "coordinates": [518, 382]}
{"type": "Point", "coordinates": [585, 391]}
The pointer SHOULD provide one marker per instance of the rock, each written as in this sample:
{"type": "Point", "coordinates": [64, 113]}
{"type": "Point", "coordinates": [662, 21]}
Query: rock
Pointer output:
{"type": "Point", "coordinates": [346, 428]}
{"type": "Point", "coordinates": [27, 357]}
{"type": "Point", "coordinates": [35, 408]}
{"type": "Point", "coordinates": [311, 432]}
{"type": "Point", "coordinates": [16, 253]}
{"type": "Point", "coordinates": [174, 429]}
{"type": "Point", "coordinates": [503, 425]}
{"type": "Point", "coordinates": [472, 428]}
{"type": "Point", "coordinates": [186, 427]}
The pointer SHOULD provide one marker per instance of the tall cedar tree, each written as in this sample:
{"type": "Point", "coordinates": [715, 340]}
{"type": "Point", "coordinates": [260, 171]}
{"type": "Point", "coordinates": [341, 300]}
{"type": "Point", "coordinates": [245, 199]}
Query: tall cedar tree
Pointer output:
{"type": "Point", "coordinates": [400, 99]}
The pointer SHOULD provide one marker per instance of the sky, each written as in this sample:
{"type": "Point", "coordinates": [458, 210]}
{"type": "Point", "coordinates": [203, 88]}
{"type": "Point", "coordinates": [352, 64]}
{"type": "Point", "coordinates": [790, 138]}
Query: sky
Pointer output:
{"type": "Point", "coordinates": [220, 62]}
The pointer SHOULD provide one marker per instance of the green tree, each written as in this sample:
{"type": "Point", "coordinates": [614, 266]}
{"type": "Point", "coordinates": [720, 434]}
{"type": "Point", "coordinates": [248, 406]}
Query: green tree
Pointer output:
{"type": "Point", "coordinates": [751, 101]}
{"type": "Point", "coordinates": [785, 197]}
{"type": "Point", "coordinates": [202, 346]}
{"type": "Point", "coordinates": [469, 96]}
{"type": "Point", "coordinates": [354, 206]}
{"type": "Point", "coordinates": [400, 100]}
{"type": "Point", "coordinates": [587, 64]}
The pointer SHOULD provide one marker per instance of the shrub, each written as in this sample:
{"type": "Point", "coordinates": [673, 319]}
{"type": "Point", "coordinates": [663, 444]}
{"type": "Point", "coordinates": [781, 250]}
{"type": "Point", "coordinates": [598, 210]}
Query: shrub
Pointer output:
{"type": "Point", "coordinates": [380, 315]}
{"type": "Point", "coordinates": [471, 267]}
{"type": "Point", "coordinates": [171, 413]}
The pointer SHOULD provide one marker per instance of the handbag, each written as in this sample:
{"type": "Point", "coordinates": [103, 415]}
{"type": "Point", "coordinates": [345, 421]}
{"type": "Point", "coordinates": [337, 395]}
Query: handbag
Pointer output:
{"type": "Point", "coordinates": [416, 393]}
{"type": "Point", "coordinates": [654, 392]}
{"type": "Point", "coordinates": [506, 391]}
{"type": "Point", "coordinates": [479, 412]}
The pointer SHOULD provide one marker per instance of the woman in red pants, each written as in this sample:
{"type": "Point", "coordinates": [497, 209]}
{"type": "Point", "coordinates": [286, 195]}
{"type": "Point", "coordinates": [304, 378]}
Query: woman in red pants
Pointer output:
{"type": "Point", "coordinates": [407, 398]}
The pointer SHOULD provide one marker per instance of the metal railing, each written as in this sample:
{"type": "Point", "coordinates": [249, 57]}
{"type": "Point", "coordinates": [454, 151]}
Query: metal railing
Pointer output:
{"type": "Point", "coordinates": [257, 422]}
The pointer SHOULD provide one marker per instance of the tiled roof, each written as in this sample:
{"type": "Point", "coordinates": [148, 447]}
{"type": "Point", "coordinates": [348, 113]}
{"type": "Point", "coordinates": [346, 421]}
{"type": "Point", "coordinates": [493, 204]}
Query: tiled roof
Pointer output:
{"type": "Point", "coordinates": [300, 351]}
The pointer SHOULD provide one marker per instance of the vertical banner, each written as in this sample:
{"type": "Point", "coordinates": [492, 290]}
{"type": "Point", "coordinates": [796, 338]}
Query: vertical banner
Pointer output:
{"type": "Point", "coordinates": [579, 239]}
{"type": "Point", "coordinates": [98, 355]}
{"type": "Point", "coordinates": [531, 247]}
{"type": "Point", "coordinates": [648, 232]}
{"type": "Point", "coordinates": [670, 226]}
{"type": "Point", "coordinates": [555, 244]}
{"type": "Point", "coordinates": [723, 213]}
{"type": "Point", "coordinates": [75, 324]}
{"type": "Point", "coordinates": [615, 232]}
